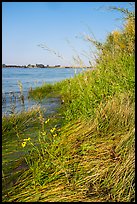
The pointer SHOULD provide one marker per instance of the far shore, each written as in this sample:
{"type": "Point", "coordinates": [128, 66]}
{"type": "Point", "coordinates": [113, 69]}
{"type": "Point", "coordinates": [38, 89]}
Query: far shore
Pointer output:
{"type": "Point", "coordinates": [46, 67]}
{"type": "Point", "coordinates": [42, 66]}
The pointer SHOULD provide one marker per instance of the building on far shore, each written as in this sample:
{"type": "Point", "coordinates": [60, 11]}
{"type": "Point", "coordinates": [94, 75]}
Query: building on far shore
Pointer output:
{"type": "Point", "coordinates": [40, 65]}
{"type": "Point", "coordinates": [30, 66]}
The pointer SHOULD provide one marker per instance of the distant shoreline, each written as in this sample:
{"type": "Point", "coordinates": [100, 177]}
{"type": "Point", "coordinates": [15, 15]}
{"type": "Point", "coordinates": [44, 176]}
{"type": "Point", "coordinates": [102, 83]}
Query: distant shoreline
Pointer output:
{"type": "Point", "coordinates": [51, 67]}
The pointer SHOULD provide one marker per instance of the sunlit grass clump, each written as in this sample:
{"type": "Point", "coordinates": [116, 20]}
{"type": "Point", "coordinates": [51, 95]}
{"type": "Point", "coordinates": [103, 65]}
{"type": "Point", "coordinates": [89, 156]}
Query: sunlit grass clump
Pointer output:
{"type": "Point", "coordinates": [91, 157]}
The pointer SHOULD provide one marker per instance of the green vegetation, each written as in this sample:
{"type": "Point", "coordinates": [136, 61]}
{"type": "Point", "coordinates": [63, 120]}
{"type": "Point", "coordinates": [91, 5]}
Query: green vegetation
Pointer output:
{"type": "Point", "coordinates": [91, 157]}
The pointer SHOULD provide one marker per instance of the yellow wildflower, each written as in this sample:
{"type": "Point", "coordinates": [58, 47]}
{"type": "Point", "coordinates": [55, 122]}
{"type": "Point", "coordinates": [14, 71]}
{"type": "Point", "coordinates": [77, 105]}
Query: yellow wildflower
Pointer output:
{"type": "Point", "coordinates": [52, 130]}
{"type": "Point", "coordinates": [54, 135]}
{"type": "Point", "coordinates": [47, 121]}
{"type": "Point", "coordinates": [28, 139]}
{"type": "Point", "coordinates": [23, 144]}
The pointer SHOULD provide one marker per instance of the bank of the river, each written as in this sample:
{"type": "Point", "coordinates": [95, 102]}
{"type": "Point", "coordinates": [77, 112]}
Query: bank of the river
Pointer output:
{"type": "Point", "coordinates": [16, 83]}
{"type": "Point", "coordinates": [86, 152]}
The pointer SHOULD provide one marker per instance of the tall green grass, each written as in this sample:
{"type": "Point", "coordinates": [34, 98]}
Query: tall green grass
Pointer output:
{"type": "Point", "coordinates": [83, 93]}
{"type": "Point", "coordinates": [91, 157]}
{"type": "Point", "coordinates": [15, 128]}
{"type": "Point", "coordinates": [85, 161]}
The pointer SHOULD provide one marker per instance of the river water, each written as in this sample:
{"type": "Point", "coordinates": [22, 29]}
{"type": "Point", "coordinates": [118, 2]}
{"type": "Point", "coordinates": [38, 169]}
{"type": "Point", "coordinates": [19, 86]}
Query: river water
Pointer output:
{"type": "Point", "coordinates": [30, 78]}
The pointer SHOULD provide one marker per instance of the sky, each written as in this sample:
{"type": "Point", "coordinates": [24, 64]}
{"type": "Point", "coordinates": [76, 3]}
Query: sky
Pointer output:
{"type": "Point", "coordinates": [52, 33]}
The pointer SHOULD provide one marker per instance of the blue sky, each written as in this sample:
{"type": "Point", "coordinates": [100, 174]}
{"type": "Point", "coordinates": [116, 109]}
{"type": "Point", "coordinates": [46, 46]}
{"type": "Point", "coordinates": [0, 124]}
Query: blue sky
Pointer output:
{"type": "Point", "coordinates": [58, 25]}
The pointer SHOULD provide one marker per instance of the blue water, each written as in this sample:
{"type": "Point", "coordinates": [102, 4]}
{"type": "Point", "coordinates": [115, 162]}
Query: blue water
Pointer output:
{"type": "Point", "coordinates": [30, 78]}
